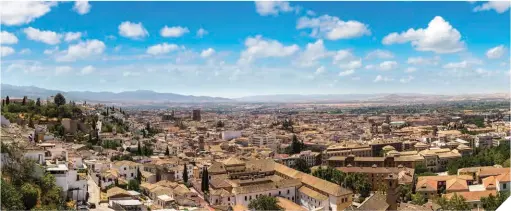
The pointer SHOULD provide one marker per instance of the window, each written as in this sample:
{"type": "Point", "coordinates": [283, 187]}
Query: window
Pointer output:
{"type": "Point", "coordinates": [131, 174]}
{"type": "Point", "coordinates": [250, 197]}
{"type": "Point", "coordinates": [279, 193]}
{"type": "Point", "coordinates": [504, 186]}
{"type": "Point", "coordinates": [228, 198]}
{"type": "Point", "coordinates": [288, 191]}
{"type": "Point", "coordinates": [124, 168]}
{"type": "Point", "coordinates": [245, 198]}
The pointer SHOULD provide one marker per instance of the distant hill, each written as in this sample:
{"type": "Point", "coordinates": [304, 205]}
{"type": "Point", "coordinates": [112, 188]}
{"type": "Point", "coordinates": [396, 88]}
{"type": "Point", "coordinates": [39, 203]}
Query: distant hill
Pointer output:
{"type": "Point", "coordinates": [139, 96]}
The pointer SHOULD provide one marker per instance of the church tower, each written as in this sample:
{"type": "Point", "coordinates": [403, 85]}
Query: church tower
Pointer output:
{"type": "Point", "coordinates": [392, 193]}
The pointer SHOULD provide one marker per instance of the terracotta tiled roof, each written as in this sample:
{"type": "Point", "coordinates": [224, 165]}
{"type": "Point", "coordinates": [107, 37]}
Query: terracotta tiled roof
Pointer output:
{"type": "Point", "coordinates": [474, 195]}
{"type": "Point", "coordinates": [456, 184]}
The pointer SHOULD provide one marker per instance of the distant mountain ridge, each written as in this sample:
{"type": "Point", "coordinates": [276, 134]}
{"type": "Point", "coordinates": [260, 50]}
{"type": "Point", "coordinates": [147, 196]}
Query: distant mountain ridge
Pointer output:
{"type": "Point", "coordinates": [127, 96]}
{"type": "Point", "coordinates": [148, 97]}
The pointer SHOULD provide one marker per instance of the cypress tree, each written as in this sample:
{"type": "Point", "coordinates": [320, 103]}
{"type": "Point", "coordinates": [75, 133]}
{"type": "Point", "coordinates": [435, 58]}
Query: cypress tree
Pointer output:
{"type": "Point", "coordinates": [7, 100]}
{"type": "Point", "coordinates": [38, 102]}
{"type": "Point", "coordinates": [139, 150]}
{"type": "Point", "coordinates": [185, 174]}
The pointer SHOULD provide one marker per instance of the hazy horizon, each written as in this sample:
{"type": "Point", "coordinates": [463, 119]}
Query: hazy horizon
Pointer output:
{"type": "Point", "coordinates": [263, 48]}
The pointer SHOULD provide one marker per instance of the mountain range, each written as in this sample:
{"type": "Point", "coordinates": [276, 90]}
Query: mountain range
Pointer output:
{"type": "Point", "coordinates": [148, 97]}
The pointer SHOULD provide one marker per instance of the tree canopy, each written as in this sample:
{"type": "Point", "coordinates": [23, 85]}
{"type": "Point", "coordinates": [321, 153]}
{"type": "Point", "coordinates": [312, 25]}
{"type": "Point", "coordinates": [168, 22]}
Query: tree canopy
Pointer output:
{"type": "Point", "coordinates": [59, 99]}
{"type": "Point", "coordinates": [264, 203]}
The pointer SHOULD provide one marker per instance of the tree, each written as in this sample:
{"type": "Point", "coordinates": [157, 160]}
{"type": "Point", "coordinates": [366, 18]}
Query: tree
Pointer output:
{"type": "Point", "coordinates": [11, 197]}
{"type": "Point", "coordinates": [301, 165]}
{"type": "Point", "coordinates": [139, 150]}
{"type": "Point", "coordinates": [167, 153]}
{"type": "Point", "coordinates": [405, 192]}
{"type": "Point", "coordinates": [30, 194]}
{"type": "Point", "coordinates": [205, 180]}
{"type": "Point", "coordinates": [133, 185]}
{"type": "Point", "coordinates": [139, 176]}
{"type": "Point", "coordinates": [421, 168]}
{"type": "Point", "coordinates": [418, 199]}
{"type": "Point", "coordinates": [59, 100]}
{"type": "Point", "coordinates": [185, 174]}
{"type": "Point", "coordinates": [30, 122]}
{"type": "Point", "coordinates": [296, 146]}
{"type": "Point", "coordinates": [264, 203]}
{"type": "Point", "coordinates": [24, 102]}
{"type": "Point", "coordinates": [38, 102]}
{"type": "Point", "coordinates": [219, 124]}
{"type": "Point", "coordinates": [7, 100]}
{"type": "Point", "coordinates": [493, 202]}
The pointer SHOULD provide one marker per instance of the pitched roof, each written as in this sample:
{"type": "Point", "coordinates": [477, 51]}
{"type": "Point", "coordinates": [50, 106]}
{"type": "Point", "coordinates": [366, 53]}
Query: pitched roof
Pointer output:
{"type": "Point", "coordinates": [312, 193]}
{"type": "Point", "coordinates": [289, 205]}
{"type": "Point", "coordinates": [116, 192]}
{"type": "Point", "coordinates": [456, 184]}
{"type": "Point", "coordinates": [489, 182]}
{"type": "Point", "coordinates": [426, 185]}
{"type": "Point", "coordinates": [504, 177]}
{"type": "Point", "coordinates": [474, 195]}
{"type": "Point", "coordinates": [376, 202]}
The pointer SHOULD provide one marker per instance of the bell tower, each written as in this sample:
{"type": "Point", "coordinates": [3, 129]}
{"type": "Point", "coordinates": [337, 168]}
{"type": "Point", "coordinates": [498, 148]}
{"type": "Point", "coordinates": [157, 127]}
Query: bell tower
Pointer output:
{"type": "Point", "coordinates": [392, 195]}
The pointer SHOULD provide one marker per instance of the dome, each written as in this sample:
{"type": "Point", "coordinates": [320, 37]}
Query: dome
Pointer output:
{"type": "Point", "coordinates": [388, 148]}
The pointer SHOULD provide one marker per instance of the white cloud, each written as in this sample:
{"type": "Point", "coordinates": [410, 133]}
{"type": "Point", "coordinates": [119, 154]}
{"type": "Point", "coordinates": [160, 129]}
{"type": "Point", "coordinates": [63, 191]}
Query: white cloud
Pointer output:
{"type": "Point", "coordinates": [423, 61]}
{"type": "Point", "coordinates": [332, 28]}
{"type": "Point", "coordinates": [462, 65]}
{"type": "Point", "coordinates": [48, 37]}
{"type": "Point", "coordinates": [406, 79]}
{"type": "Point", "coordinates": [498, 6]}
{"type": "Point", "coordinates": [495, 53]}
{"type": "Point", "coordinates": [7, 38]}
{"type": "Point", "coordinates": [82, 50]}
{"type": "Point", "coordinates": [51, 51]}
{"type": "Point", "coordinates": [311, 13]}
{"type": "Point", "coordinates": [382, 78]}
{"type": "Point", "coordinates": [129, 73]}
{"type": "Point", "coordinates": [62, 70]}
{"type": "Point", "coordinates": [320, 70]}
{"type": "Point", "coordinates": [15, 13]}
{"type": "Point", "coordinates": [201, 32]}
{"type": "Point", "coordinates": [312, 53]}
{"type": "Point", "coordinates": [410, 69]}
{"type": "Point", "coordinates": [25, 51]}
{"type": "Point", "coordinates": [388, 65]}
{"type": "Point", "coordinates": [380, 54]}
{"type": "Point", "coordinates": [347, 72]}
{"type": "Point", "coordinates": [82, 7]}
{"type": "Point", "coordinates": [132, 30]}
{"type": "Point", "coordinates": [369, 67]}
{"type": "Point", "coordinates": [342, 56]}
{"type": "Point", "coordinates": [87, 70]}
{"type": "Point", "coordinates": [6, 51]}
{"type": "Point", "coordinates": [266, 8]}
{"type": "Point", "coordinates": [176, 31]}
{"type": "Point", "coordinates": [207, 53]}
{"type": "Point", "coordinates": [162, 48]}
{"type": "Point", "coordinates": [70, 36]}
{"type": "Point", "coordinates": [354, 64]}
{"type": "Point", "coordinates": [258, 47]}
{"type": "Point", "coordinates": [438, 37]}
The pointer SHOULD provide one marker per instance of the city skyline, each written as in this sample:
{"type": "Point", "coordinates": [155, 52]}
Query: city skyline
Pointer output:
{"type": "Point", "coordinates": [258, 48]}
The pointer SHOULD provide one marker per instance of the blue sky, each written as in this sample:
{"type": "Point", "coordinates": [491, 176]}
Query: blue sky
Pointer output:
{"type": "Point", "coordinates": [234, 49]}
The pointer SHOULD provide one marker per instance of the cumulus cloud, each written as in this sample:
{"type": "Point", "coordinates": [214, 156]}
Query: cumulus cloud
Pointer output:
{"type": "Point", "coordinates": [312, 54]}
{"type": "Point", "coordinates": [132, 30]}
{"type": "Point", "coordinates": [257, 47]}
{"type": "Point", "coordinates": [7, 38]}
{"type": "Point", "coordinates": [87, 70]}
{"type": "Point", "coordinates": [82, 50]}
{"type": "Point", "coordinates": [406, 79]}
{"type": "Point", "coordinates": [332, 28]}
{"type": "Point", "coordinates": [176, 31]}
{"type": "Point", "coordinates": [71, 36]}
{"type": "Point", "coordinates": [498, 6]}
{"type": "Point", "coordinates": [423, 61]}
{"type": "Point", "coordinates": [162, 48]}
{"type": "Point", "coordinates": [347, 72]}
{"type": "Point", "coordinates": [382, 78]}
{"type": "Point", "coordinates": [410, 69]}
{"type": "Point", "coordinates": [48, 37]}
{"type": "Point", "coordinates": [6, 51]}
{"type": "Point", "coordinates": [201, 32]}
{"type": "Point", "coordinates": [496, 52]}
{"type": "Point", "coordinates": [266, 8]}
{"type": "Point", "coordinates": [438, 37]}
{"type": "Point", "coordinates": [320, 70]}
{"type": "Point", "coordinates": [465, 64]}
{"type": "Point", "coordinates": [82, 7]}
{"type": "Point", "coordinates": [388, 65]}
{"type": "Point", "coordinates": [25, 51]}
{"type": "Point", "coordinates": [207, 53]}
{"type": "Point", "coordinates": [15, 13]}
{"type": "Point", "coordinates": [380, 54]}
